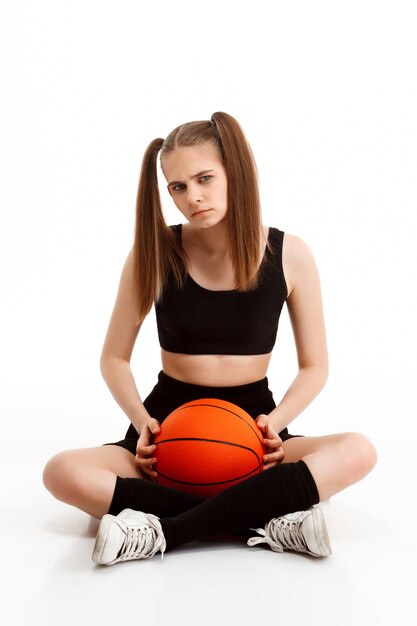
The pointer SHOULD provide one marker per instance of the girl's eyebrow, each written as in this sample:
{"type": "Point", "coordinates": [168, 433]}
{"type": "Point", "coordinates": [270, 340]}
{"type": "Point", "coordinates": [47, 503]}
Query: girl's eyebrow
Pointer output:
{"type": "Point", "coordinates": [176, 182]}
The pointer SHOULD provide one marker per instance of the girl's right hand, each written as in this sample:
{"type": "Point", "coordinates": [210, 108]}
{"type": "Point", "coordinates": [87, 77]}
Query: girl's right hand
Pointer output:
{"type": "Point", "coordinates": [144, 450]}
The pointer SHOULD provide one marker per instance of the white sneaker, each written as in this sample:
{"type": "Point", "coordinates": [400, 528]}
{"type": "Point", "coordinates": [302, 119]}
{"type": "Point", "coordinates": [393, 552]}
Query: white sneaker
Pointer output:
{"type": "Point", "coordinates": [126, 536]}
{"type": "Point", "coordinates": [303, 531]}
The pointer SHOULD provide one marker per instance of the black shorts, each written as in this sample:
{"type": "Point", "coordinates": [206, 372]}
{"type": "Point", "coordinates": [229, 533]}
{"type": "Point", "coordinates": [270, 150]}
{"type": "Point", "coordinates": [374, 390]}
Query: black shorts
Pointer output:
{"type": "Point", "coordinates": [169, 393]}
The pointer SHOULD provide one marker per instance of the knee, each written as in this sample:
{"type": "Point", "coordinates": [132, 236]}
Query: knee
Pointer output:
{"type": "Point", "coordinates": [60, 475]}
{"type": "Point", "coordinates": [362, 455]}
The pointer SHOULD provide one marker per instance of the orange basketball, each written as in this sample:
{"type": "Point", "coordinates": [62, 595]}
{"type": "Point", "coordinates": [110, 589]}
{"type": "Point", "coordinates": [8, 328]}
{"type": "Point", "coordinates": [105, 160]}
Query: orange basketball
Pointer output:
{"type": "Point", "coordinates": [208, 445]}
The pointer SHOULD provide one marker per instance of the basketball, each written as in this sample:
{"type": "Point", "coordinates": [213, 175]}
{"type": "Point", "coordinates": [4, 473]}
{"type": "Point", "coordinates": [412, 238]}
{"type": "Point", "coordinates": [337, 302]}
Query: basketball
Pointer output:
{"type": "Point", "coordinates": [208, 445]}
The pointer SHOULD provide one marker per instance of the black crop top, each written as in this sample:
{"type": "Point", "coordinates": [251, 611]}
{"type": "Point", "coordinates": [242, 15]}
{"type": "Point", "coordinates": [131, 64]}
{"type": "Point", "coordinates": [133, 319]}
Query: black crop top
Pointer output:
{"type": "Point", "coordinates": [196, 320]}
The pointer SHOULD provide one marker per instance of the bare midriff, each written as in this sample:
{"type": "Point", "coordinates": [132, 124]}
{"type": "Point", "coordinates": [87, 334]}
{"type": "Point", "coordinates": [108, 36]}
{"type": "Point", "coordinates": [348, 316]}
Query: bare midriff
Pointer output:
{"type": "Point", "coordinates": [215, 370]}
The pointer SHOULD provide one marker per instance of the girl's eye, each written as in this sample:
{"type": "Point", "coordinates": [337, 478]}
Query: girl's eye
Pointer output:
{"type": "Point", "coordinates": [206, 176]}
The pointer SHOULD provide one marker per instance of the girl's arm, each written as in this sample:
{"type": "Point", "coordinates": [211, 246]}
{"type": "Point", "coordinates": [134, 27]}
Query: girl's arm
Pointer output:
{"type": "Point", "coordinates": [117, 351]}
{"type": "Point", "coordinates": [305, 310]}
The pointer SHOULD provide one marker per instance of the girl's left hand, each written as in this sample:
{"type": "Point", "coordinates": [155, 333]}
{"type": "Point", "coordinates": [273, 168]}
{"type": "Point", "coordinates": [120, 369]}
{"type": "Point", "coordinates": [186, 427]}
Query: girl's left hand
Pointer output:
{"type": "Point", "coordinates": [274, 449]}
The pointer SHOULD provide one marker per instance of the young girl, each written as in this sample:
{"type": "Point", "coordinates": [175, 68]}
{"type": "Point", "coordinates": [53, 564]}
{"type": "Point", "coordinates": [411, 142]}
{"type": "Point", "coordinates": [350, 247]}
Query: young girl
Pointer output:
{"type": "Point", "coordinates": [218, 283]}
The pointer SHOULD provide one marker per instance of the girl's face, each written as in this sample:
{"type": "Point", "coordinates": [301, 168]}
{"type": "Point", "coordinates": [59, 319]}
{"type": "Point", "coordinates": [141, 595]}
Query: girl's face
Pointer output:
{"type": "Point", "coordinates": [197, 181]}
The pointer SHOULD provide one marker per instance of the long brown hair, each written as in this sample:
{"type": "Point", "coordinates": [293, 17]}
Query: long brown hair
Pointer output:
{"type": "Point", "coordinates": [157, 250]}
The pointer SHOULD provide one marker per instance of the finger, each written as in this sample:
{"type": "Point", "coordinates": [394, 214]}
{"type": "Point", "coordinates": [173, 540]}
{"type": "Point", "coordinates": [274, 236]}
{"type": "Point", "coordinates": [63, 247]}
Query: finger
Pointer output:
{"type": "Point", "coordinates": [269, 465]}
{"type": "Point", "coordinates": [152, 472]}
{"type": "Point", "coordinates": [272, 459]}
{"type": "Point", "coordinates": [273, 442]}
{"type": "Point", "coordinates": [272, 448]}
{"type": "Point", "coordinates": [275, 437]}
{"type": "Point", "coordinates": [146, 449]}
{"type": "Point", "coordinates": [149, 463]}
{"type": "Point", "coordinates": [145, 460]}
{"type": "Point", "coordinates": [274, 456]}
{"type": "Point", "coordinates": [154, 427]}
{"type": "Point", "coordinates": [146, 466]}
{"type": "Point", "coordinates": [148, 478]}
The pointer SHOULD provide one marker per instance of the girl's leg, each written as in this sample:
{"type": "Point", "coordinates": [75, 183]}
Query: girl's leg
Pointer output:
{"type": "Point", "coordinates": [329, 464]}
{"type": "Point", "coordinates": [336, 461]}
{"type": "Point", "coordinates": [86, 478]}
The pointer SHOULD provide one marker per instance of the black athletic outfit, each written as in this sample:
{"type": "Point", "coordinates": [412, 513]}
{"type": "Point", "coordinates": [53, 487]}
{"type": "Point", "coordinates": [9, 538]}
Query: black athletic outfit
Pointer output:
{"type": "Point", "coordinates": [196, 320]}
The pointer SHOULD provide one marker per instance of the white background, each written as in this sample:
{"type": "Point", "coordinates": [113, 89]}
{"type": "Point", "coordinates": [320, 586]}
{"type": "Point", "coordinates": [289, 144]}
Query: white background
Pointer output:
{"type": "Point", "coordinates": [326, 94]}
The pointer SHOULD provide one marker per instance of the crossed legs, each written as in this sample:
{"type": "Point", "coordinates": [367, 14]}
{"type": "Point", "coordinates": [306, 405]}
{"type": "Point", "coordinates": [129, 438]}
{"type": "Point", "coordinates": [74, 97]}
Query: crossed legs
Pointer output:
{"type": "Point", "coordinates": [85, 478]}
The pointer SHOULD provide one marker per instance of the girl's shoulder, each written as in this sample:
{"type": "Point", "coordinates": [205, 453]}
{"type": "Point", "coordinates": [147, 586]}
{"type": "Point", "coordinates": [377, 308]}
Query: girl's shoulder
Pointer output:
{"type": "Point", "coordinates": [297, 259]}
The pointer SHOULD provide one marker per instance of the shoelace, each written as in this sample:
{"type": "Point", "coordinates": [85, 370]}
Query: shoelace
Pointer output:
{"type": "Point", "coordinates": [142, 542]}
{"type": "Point", "coordinates": [280, 534]}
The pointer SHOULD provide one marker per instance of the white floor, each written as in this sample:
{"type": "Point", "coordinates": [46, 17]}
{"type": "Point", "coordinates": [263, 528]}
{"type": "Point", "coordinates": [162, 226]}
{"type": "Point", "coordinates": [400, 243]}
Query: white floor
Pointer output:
{"type": "Point", "coordinates": [48, 576]}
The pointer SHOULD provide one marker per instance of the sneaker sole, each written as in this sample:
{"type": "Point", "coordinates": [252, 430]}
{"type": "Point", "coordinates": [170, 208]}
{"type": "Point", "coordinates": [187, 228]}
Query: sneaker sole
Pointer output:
{"type": "Point", "coordinates": [102, 533]}
{"type": "Point", "coordinates": [320, 532]}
